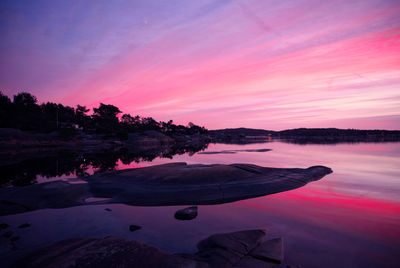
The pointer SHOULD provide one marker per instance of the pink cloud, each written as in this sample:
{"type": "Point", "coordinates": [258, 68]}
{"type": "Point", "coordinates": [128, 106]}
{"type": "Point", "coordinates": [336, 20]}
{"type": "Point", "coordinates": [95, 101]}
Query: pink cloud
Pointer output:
{"type": "Point", "coordinates": [256, 65]}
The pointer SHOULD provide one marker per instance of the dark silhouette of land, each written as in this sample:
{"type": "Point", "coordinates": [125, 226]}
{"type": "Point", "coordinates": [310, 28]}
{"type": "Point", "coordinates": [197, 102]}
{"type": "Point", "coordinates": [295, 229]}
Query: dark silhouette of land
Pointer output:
{"type": "Point", "coordinates": [24, 113]}
{"type": "Point", "coordinates": [304, 135]}
{"type": "Point", "coordinates": [51, 124]}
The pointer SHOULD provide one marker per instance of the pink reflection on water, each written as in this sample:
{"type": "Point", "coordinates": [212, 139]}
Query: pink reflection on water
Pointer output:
{"type": "Point", "coordinates": [355, 215]}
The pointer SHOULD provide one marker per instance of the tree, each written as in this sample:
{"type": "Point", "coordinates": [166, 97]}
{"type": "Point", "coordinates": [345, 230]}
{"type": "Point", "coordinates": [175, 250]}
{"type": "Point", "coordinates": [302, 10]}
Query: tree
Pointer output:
{"type": "Point", "coordinates": [167, 127]}
{"type": "Point", "coordinates": [6, 111]}
{"type": "Point", "coordinates": [28, 114]}
{"type": "Point", "coordinates": [81, 110]}
{"type": "Point", "coordinates": [25, 99]}
{"type": "Point", "coordinates": [105, 118]}
{"type": "Point", "coordinates": [148, 123]}
{"type": "Point", "coordinates": [81, 116]}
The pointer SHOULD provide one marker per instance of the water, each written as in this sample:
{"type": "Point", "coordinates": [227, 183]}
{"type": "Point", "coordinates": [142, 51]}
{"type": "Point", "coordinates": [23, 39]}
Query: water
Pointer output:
{"type": "Point", "coordinates": [350, 218]}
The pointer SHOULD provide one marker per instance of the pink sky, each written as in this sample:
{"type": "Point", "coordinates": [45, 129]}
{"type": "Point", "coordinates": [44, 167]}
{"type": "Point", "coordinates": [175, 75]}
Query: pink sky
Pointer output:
{"type": "Point", "coordinates": [260, 64]}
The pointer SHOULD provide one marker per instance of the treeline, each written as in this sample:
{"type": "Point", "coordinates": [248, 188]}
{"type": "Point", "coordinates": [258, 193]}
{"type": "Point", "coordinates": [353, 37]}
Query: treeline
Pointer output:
{"type": "Point", "coordinates": [24, 113]}
{"type": "Point", "coordinates": [312, 132]}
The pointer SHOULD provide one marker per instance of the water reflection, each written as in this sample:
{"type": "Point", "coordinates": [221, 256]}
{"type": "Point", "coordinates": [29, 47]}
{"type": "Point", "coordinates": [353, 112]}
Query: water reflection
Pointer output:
{"type": "Point", "coordinates": [69, 164]}
{"type": "Point", "coordinates": [350, 218]}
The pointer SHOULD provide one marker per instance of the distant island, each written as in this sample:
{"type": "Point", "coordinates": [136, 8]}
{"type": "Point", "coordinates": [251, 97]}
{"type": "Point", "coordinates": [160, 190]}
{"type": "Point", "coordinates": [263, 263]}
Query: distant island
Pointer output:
{"type": "Point", "coordinates": [25, 123]}
{"type": "Point", "coordinates": [303, 135]}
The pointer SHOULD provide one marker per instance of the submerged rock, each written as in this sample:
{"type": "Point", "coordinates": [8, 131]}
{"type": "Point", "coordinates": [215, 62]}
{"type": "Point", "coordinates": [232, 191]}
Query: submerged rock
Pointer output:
{"type": "Point", "coordinates": [162, 185]}
{"type": "Point", "coordinates": [186, 214]}
{"type": "Point", "coordinates": [133, 227]}
{"type": "Point", "coordinates": [220, 250]}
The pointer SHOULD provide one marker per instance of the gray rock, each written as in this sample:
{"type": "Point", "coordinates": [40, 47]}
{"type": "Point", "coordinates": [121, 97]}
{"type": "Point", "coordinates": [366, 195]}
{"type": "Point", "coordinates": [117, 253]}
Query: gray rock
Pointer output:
{"type": "Point", "coordinates": [271, 250]}
{"type": "Point", "coordinates": [96, 253]}
{"type": "Point", "coordinates": [241, 242]}
{"type": "Point", "coordinates": [162, 185]}
{"type": "Point", "coordinates": [251, 262]}
{"type": "Point", "coordinates": [180, 261]}
{"type": "Point", "coordinates": [133, 227]}
{"type": "Point", "coordinates": [219, 250]}
{"type": "Point", "coordinates": [186, 213]}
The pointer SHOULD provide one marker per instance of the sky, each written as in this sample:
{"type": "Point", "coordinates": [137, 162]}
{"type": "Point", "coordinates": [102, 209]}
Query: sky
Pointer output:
{"type": "Point", "coordinates": [255, 63]}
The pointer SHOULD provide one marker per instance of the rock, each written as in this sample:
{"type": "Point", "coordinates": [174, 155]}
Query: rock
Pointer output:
{"type": "Point", "coordinates": [220, 250]}
{"type": "Point", "coordinates": [271, 250]}
{"type": "Point", "coordinates": [186, 214]}
{"type": "Point", "coordinates": [25, 225]}
{"type": "Point", "coordinates": [133, 227]}
{"type": "Point", "coordinates": [107, 209]}
{"type": "Point", "coordinates": [251, 262]}
{"type": "Point", "coordinates": [182, 261]}
{"type": "Point", "coordinates": [4, 226]}
{"type": "Point", "coordinates": [96, 253]}
{"type": "Point", "coordinates": [218, 257]}
{"type": "Point", "coordinates": [162, 185]}
{"type": "Point", "coordinates": [224, 250]}
{"type": "Point", "coordinates": [241, 242]}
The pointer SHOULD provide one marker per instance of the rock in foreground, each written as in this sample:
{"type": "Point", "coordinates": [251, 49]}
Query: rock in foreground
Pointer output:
{"type": "Point", "coordinates": [220, 250]}
{"type": "Point", "coordinates": [186, 214]}
{"type": "Point", "coordinates": [162, 185]}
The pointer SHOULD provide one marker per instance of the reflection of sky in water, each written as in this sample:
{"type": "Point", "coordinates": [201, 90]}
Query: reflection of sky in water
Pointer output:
{"type": "Point", "coordinates": [364, 169]}
{"type": "Point", "coordinates": [349, 218]}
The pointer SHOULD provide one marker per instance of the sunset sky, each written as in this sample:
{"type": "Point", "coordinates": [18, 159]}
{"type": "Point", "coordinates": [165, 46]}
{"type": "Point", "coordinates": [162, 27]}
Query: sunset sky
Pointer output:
{"type": "Point", "coordinates": [258, 63]}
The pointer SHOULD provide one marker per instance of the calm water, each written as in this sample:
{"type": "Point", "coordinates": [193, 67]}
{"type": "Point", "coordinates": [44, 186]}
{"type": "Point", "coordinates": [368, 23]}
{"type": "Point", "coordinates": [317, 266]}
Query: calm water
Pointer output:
{"type": "Point", "coordinates": [350, 218]}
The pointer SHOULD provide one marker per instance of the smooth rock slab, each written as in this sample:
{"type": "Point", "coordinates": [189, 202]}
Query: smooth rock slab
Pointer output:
{"type": "Point", "coordinates": [162, 185]}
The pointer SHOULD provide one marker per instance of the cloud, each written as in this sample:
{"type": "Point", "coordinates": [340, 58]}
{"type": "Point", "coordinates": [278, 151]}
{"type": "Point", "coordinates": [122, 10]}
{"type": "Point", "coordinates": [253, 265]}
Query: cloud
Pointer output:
{"type": "Point", "coordinates": [280, 64]}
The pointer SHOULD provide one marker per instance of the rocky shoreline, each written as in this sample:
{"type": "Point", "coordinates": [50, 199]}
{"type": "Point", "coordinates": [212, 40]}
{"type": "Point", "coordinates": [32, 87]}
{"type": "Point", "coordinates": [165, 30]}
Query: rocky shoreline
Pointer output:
{"type": "Point", "coordinates": [249, 248]}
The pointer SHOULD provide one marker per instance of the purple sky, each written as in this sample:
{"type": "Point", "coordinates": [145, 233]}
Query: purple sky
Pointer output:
{"type": "Point", "coordinates": [261, 64]}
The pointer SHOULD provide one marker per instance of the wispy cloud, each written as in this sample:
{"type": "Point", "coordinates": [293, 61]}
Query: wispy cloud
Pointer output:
{"type": "Point", "coordinates": [273, 64]}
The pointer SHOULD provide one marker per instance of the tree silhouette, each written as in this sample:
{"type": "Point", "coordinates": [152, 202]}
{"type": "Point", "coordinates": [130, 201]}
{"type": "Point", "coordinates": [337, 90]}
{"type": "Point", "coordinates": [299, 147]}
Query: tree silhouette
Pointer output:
{"type": "Point", "coordinates": [81, 117]}
{"type": "Point", "coordinates": [105, 118]}
{"type": "Point", "coordinates": [6, 111]}
{"type": "Point", "coordinates": [25, 114]}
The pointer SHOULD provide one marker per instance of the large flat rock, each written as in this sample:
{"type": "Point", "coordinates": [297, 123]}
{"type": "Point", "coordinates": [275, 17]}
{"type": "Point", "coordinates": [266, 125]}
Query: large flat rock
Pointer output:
{"type": "Point", "coordinates": [162, 185]}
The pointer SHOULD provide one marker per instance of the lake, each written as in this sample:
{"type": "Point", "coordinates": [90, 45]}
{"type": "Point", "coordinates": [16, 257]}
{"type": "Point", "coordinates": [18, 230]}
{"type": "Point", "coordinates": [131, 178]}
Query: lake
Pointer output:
{"type": "Point", "coordinates": [350, 218]}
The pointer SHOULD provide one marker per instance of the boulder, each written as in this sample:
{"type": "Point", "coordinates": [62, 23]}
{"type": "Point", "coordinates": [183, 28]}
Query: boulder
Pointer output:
{"type": "Point", "coordinates": [241, 242]}
{"type": "Point", "coordinates": [271, 250]}
{"type": "Point", "coordinates": [134, 227]}
{"type": "Point", "coordinates": [186, 214]}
